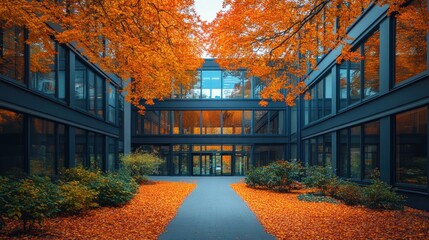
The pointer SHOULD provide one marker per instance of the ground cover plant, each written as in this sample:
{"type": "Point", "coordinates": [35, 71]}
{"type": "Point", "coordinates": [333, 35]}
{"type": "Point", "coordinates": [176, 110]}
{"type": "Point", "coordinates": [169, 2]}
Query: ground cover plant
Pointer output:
{"type": "Point", "coordinates": [144, 217]}
{"type": "Point", "coordinates": [286, 217]}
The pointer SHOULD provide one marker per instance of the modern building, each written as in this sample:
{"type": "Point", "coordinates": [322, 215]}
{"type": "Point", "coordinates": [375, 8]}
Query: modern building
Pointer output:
{"type": "Point", "coordinates": [363, 115]}
{"type": "Point", "coordinates": [65, 116]}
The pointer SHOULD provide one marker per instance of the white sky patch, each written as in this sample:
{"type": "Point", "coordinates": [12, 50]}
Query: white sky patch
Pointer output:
{"type": "Point", "coordinates": [207, 9]}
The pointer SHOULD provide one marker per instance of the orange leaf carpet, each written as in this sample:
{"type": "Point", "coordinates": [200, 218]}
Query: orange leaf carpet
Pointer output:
{"type": "Point", "coordinates": [145, 217]}
{"type": "Point", "coordinates": [285, 217]}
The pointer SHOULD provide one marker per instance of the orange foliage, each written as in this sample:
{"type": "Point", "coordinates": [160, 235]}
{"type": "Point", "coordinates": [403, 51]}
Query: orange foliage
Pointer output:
{"type": "Point", "coordinates": [153, 42]}
{"type": "Point", "coordinates": [285, 217]}
{"type": "Point", "coordinates": [269, 37]}
{"type": "Point", "coordinates": [145, 217]}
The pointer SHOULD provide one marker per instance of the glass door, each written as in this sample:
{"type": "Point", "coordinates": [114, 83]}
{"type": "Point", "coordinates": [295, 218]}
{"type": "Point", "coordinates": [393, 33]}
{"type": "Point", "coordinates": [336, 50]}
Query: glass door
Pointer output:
{"type": "Point", "coordinates": [226, 164]}
{"type": "Point", "coordinates": [202, 164]}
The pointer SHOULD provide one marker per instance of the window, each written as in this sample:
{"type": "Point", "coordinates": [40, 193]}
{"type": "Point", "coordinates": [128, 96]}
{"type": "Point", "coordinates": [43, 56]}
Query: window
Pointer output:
{"type": "Point", "coordinates": [359, 80]}
{"type": "Point", "coordinates": [266, 154]}
{"type": "Point", "coordinates": [12, 45]}
{"type": "Point", "coordinates": [321, 97]}
{"type": "Point", "coordinates": [260, 124]}
{"type": "Point", "coordinates": [112, 156]}
{"type": "Point", "coordinates": [412, 147]}
{"type": "Point", "coordinates": [190, 122]}
{"type": "Point", "coordinates": [47, 73]}
{"type": "Point", "coordinates": [232, 85]}
{"type": "Point", "coordinates": [80, 148]}
{"type": "Point", "coordinates": [211, 84]}
{"type": "Point", "coordinates": [211, 122]}
{"type": "Point", "coordinates": [195, 89]}
{"type": "Point", "coordinates": [42, 142]}
{"type": "Point", "coordinates": [359, 151]}
{"type": "Point", "coordinates": [100, 93]}
{"type": "Point", "coordinates": [151, 122]}
{"type": "Point", "coordinates": [411, 41]}
{"type": "Point", "coordinates": [232, 122]}
{"type": "Point", "coordinates": [111, 108]}
{"type": "Point", "coordinates": [11, 143]}
{"type": "Point", "coordinates": [318, 150]}
{"type": "Point", "coordinates": [80, 85]}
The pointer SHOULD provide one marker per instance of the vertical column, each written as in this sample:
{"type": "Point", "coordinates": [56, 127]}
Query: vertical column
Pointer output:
{"type": "Point", "coordinates": [386, 49]}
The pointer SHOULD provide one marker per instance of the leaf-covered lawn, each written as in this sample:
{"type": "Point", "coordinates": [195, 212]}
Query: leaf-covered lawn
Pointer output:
{"type": "Point", "coordinates": [285, 217]}
{"type": "Point", "coordinates": [145, 217]}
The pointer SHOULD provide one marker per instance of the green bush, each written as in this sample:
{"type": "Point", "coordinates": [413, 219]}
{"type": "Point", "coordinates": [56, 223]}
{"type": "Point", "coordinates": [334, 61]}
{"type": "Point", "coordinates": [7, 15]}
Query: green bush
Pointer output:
{"type": "Point", "coordinates": [117, 188]}
{"type": "Point", "coordinates": [76, 197]}
{"type": "Point", "coordinates": [280, 176]}
{"type": "Point", "coordinates": [4, 194]}
{"type": "Point", "coordinates": [30, 200]}
{"type": "Point", "coordinates": [380, 195]}
{"type": "Point", "coordinates": [318, 177]}
{"type": "Point", "coordinates": [312, 197]}
{"type": "Point", "coordinates": [141, 163]}
{"type": "Point", "coordinates": [89, 178]}
{"type": "Point", "coordinates": [350, 193]}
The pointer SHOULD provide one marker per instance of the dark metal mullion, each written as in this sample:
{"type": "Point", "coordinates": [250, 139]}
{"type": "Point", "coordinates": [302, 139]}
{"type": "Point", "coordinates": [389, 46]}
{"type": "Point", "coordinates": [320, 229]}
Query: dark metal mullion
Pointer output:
{"type": "Point", "coordinates": [362, 72]}
{"type": "Point", "coordinates": [362, 151]}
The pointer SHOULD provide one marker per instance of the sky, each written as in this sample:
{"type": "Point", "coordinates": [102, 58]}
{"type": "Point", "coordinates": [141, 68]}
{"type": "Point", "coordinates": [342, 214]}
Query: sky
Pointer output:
{"type": "Point", "coordinates": [207, 9]}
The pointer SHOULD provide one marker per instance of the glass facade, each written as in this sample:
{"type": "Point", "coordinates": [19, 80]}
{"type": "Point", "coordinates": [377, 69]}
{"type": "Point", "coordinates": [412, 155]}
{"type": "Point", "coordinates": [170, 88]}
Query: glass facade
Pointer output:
{"type": "Point", "coordinates": [318, 150]}
{"type": "Point", "coordinates": [412, 147]}
{"type": "Point", "coordinates": [209, 122]}
{"type": "Point", "coordinates": [12, 60]}
{"type": "Point", "coordinates": [320, 104]}
{"type": "Point", "coordinates": [12, 144]}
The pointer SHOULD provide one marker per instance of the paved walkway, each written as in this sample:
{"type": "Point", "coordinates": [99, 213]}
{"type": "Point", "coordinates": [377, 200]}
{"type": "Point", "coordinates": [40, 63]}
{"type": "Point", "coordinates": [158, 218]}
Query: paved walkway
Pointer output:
{"type": "Point", "coordinates": [213, 211]}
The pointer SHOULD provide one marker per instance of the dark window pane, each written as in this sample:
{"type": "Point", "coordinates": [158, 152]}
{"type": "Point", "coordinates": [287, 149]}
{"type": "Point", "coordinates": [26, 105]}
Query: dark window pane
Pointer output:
{"type": "Point", "coordinates": [411, 147]}
{"type": "Point", "coordinates": [111, 93]}
{"type": "Point", "coordinates": [165, 122]}
{"type": "Point", "coordinates": [62, 56]}
{"type": "Point", "coordinates": [12, 44]}
{"type": "Point", "coordinates": [100, 96]}
{"type": "Point", "coordinates": [11, 143]}
{"type": "Point", "coordinates": [247, 122]}
{"type": "Point", "coordinates": [61, 147]}
{"type": "Point", "coordinates": [80, 148]}
{"type": "Point", "coordinates": [343, 85]}
{"type": "Point", "coordinates": [42, 142]}
{"type": "Point", "coordinates": [372, 142]}
{"type": "Point", "coordinates": [344, 153]}
{"type": "Point", "coordinates": [355, 162]}
{"type": "Point", "coordinates": [354, 82]}
{"type": "Point", "coordinates": [91, 91]}
{"type": "Point", "coordinates": [260, 125]}
{"type": "Point", "coordinates": [42, 68]}
{"type": "Point", "coordinates": [80, 85]}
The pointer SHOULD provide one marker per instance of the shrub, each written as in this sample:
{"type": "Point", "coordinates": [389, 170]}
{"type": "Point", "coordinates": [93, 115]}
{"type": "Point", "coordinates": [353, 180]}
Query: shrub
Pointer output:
{"type": "Point", "coordinates": [117, 188]}
{"type": "Point", "coordinates": [280, 176]}
{"type": "Point", "coordinates": [76, 197]}
{"type": "Point", "coordinates": [312, 197]}
{"type": "Point", "coordinates": [89, 178]}
{"type": "Point", "coordinates": [318, 177]}
{"type": "Point", "coordinates": [141, 163]}
{"type": "Point", "coordinates": [31, 200]}
{"type": "Point", "coordinates": [380, 195]}
{"type": "Point", "coordinates": [4, 194]}
{"type": "Point", "coordinates": [350, 193]}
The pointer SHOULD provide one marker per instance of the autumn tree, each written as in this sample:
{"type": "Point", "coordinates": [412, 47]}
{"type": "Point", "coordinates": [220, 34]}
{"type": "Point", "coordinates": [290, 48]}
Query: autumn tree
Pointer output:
{"type": "Point", "coordinates": [279, 41]}
{"type": "Point", "coordinates": [153, 42]}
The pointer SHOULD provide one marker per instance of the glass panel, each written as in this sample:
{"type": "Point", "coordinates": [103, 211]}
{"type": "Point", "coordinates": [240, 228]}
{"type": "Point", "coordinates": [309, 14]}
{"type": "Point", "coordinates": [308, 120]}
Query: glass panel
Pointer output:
{"type": "Point", "coordinates": [226, 164]}
{"type": "Point", "coordinates": [42, 68]}
{"type": "Point", "coordinates": [184, 164]}
{"type": "Point", "coordinates": [80, 85]}
{"type": "Point", "coordinates": [111, 93]}
{"type": "Point", "coordinates": [217, 163]}
{"type": "Point", "coordinates": [313, 151]}
{"type": "Point", "coordinates": [176, 122]}
{"type": "Point", "coordinates": [91, 150]}
{"type": "Point", "coordinates": [247, 87]}
{"type": "Point", "coordinates": [61, 147]}
{"type": "Point", "coordinates": [12, 44]}
{"type": "Point", "coordinates": [206, 164]}
{"type": "Point", "coordinates": [80, 148]}
{"type": "Point", "coordinates": [258, 85]}
{"type": "Point", "coordinates": [91, 91]}
{"type": "Point", "coordinates": [191, 122]}
{"type": "Point", "coordinates": [372, 141]}
{"type": "Point", "coordinates": [211, 84]}
{"type": "Point", "coordinates": [42, 142]}
{"type": "Point", "coordinates": [320, 150]}
{"type": "Point", "coordinates": [328, 95]}
{"type": "Point", "coordinates": [11, 143]}
{"type": "Point", "coordinates": [247, 122]}
{"type": "Point", "coordinates": [344, 153]}
{"type": "Point", "coordinates": [196, 170]}
{"type": "Point", "coordinates": [232, 84]}
{"type": "Point", "coordinates": [100, 97]}
{"type": "Point", "coordinates": [165, 122]}
{"type": "Point", "coordinates": [411, 41]}
{"type": "Point", "coordinates": [355, 73]}
{"type": "Point", "coordinates": [320, 99]}
{"type": "Point", "coordinates": [355, 162]}
{"type": "Point", "coordinates": [343, 85]}
{"type": "Point", "coordinates": [211, 122]}
{"type": "Point", "coordinates": [411, 147]}
{"type": "Point", "coordinates": [372, 65]}
{"type": "Point", "coordinates": [327, 142]}
{"type": "Point", "coordinates": [265, 154]}
{"type": "Point", "coordinates": [99, 151]}
{"type": "Point", "coordinates": [151, 123]}
{"type": "Point", "coordinates": [62, 56]}
{"type": "Point", "coordinates": [276, 122]}
{"type": "Point", "coordinates": [176, 161]}
{"type": "Point", "coordinates": [261, 122]}
{"type": "Point", "coordinates": [232, 122]}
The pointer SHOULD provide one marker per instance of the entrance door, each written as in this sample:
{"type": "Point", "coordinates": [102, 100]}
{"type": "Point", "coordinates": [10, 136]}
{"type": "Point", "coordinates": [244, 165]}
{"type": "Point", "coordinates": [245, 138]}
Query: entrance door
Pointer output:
{"type": "Point", "coordinates": [202, 164]}
{"type": "Point", "coordinates": [226, 164]}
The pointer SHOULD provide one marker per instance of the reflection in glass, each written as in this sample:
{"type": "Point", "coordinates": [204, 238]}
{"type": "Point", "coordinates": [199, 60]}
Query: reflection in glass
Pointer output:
{"type": "Point", "coordinates": [260, 125]}
{"type": "Point", "coordinates": [91, 91]}
{"type": "Point", "coordinates": [232, 121]}
{"type": "Point", "coordinates": [355, 162]}
{"type": "Point", "coordinates": [194, 91]}
{"type": "Point", "coordinates": [343, 85]}
{"type": "Point", "coordinates": [247, 122]}
{"type": "Point", "coordinates": [80, 85]}
{"type": "Point", "coordinates": [11, 143]}
{"type": "Point", "coordinates": [354, 82]}
{"type": "Point", "coordinates": [196, 169]}
{"type": "Point", "coordinates": [412, 147]}
{"type": "Point", "coordinates": [211, 122]}
{"type": "Point", "coordinates": [42, 142]}
{"type": "Point", "coordinates": [211, 84]}
{"type": "Point", "coordinates": [344, 153]}
{"type": "Point", "coordinates": [372, 142]}
{"type": "Point", "coordinates": [62, 72]}
{"type": "Point", "coordinates": [111, 96]}
{"type": "Point", "coordinates": [12, 44]}
{"type": "Point", "coordinates": [226, 164]}
{"type": "Point", "coordinates": [232, 86]}
{"type": "Point", "coordinates": [191, 122]}
{"type": "Point", "coordinates": [80, 148]}
{"type": "Point", "coordinates": [247, 87]}
{"type": "Point", "coordinates": [411, 41]}
{"type": "Point", "coordinates": [42, 68]}
{"type": "Point", "coordinates": [372, 65]}
{"type": "Point", "coordinates": [266, 154]}
{"type": "Point", "coordinates": [100, 96]}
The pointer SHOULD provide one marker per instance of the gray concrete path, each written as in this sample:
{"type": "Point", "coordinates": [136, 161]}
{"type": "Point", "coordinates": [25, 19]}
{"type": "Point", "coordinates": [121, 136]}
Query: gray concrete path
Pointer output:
{"type": "Point", "coordinates": [213, 211]}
